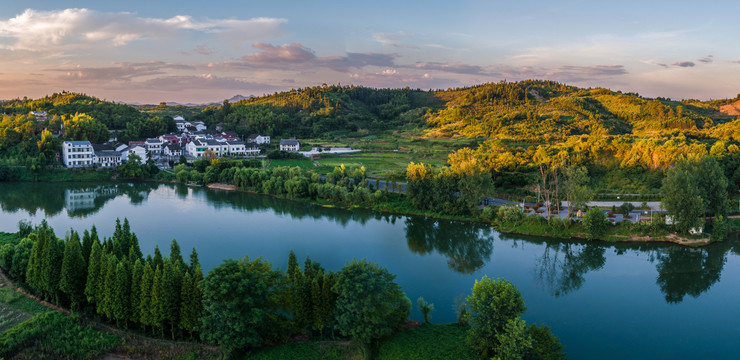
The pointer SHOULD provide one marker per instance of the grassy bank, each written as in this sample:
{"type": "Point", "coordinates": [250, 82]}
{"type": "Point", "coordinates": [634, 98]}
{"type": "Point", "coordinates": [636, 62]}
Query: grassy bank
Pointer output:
{"type": "Point", "coordinates": [429, 342]}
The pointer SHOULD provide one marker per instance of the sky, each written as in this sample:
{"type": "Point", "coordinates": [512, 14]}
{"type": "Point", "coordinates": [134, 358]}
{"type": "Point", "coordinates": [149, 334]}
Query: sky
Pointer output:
{"type": "Point", "coordinates": [197, 51]}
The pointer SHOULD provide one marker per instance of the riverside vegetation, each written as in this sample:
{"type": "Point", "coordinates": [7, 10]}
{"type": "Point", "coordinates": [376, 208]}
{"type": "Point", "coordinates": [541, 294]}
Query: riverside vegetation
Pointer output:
{"type": "Point", "coordinates": [240, 306]}
{"type": "Point", "coordinates": [520, 137]}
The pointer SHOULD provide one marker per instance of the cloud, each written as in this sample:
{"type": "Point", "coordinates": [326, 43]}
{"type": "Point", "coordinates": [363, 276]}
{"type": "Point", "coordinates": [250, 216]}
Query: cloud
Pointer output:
{"type": "Point", "coordinates": [286, 53]}
{"type": "Point", "coordinates": [452, 68]}
{"type": "Point", "coordinates": [80, 28]}
{"type": "Point", "coordinates": [394, 78]}
{"type": "Point", "coordinates": [394, 39]}
{"type": "Point", "coordinates": [118, 72]}
{"type": "Point", "coordinates": [357, 60]}
{"type": "Point", "coordinates": [707, 59]}
{"type": "Point", "coordinates": [683, 64]}
{"type": "Point", "coordinates": [297, 57]}
{"type": "Point", "coordinates": [203, 50]}
{"type": "Point", "coordinates": [203, 81]}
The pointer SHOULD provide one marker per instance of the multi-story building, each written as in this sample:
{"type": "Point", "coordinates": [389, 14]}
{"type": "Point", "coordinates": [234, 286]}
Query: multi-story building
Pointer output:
{"type": "Point", "coordinates": [77, 153]}
{"type": "Point", "coordinates": [106, 156]}
{"type": "Point", "coordinates": [291, 145]}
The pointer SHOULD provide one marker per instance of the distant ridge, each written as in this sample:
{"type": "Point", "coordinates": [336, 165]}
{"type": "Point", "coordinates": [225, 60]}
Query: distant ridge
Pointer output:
{"type": "Point", "coordinates": [233, 99]}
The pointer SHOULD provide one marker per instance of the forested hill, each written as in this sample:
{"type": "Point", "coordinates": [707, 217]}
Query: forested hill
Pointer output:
{"type": "Point", "coordinates": [537, 110]}
{"type": "Point", "coordinates": [325, 110]}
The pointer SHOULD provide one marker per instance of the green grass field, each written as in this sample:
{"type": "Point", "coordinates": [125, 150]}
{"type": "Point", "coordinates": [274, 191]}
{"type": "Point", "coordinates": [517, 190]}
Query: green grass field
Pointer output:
{"type": "Point", "coordinates": [303, 164]}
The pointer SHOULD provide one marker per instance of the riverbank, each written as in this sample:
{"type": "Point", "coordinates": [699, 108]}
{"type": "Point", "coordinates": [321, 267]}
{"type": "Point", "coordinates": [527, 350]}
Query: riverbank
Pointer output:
{"type": "Point", "coordinates": [532, 226]}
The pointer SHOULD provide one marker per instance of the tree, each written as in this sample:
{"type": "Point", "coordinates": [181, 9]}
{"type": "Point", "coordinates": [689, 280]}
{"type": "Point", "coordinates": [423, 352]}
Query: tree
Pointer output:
{"type": "Point", "coordinates": [425, 308]}
{"type": "Point", "coordinates": [369, 303]}
{"type": "Point", "coordinates": [170, 294]}
{"type": "Point", "coordinates": [72, 278]}
{"type": "Point", "coordinates": [492, 304]}
{"type": "Point", "coordinates": [240, 305]}
{"type": "Point", "coordinates": [84, 127]}
{"type": "Point", "coordinates": [595, 223]}
{"type": "Point", "coordinates": [682, 199]}
{"type": "Point", "coordinates": [545, 345]}
{"type": "Point", "coordinates": [121, 302]}
{"type": "Point", "coordinates": [93, 274]}
{"type": "Point", "coordinates": [137, 274]}
{"type": "Point", "coordinates": [131, 168]}
{"type": "Point", "coordinates": [513, 342]}
{"type": "Point", "coordinates": [576, 191]}
{"type": "Point", "coordinates": [145, 296]}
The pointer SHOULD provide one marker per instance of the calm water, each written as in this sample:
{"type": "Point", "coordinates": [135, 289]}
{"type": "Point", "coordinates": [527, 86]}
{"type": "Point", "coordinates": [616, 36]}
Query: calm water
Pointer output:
{"type": "Point", "coordinates": [603, 301]}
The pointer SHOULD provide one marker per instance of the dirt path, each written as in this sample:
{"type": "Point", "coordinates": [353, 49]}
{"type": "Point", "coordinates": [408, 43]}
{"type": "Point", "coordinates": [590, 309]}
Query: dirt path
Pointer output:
{"type": "Point", "coordinates": [6, 282]}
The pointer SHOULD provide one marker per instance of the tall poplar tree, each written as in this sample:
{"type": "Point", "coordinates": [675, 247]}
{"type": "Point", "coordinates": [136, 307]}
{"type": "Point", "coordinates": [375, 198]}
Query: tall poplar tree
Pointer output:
{"type": "Point", "coordinates": [121, 301]}
{"type": "Point", "coordinates": [155, 313]}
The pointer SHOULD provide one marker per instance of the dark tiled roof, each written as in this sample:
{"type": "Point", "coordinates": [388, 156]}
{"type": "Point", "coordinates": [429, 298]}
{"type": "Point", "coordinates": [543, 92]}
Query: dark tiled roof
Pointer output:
{"type": "Point", "coordinates": [288, 142]}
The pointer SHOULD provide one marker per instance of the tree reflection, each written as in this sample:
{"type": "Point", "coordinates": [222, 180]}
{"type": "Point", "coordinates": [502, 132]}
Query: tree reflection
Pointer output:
{"type": "Point", "coordinates": [562, 266]}
{"type": "Point", "coordinates": [690, 271]}
{"type": "Point", "coordinates": [467, 246]}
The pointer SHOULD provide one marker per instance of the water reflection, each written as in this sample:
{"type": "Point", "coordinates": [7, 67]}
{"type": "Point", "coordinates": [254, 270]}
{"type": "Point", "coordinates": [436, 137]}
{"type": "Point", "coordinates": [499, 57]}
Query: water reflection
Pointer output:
{"type": "Point", "coordinates": [467, 246]}
{"type": "Point", "coordinates": [690, 271]}
{"type": "Point", "coordinates": [560, 266]}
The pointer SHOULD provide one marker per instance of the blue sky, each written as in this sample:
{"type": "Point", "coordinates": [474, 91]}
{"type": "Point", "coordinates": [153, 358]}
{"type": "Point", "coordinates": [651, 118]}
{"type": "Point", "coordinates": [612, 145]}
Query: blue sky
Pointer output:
{"type": "Point", "coordinates": [186, 51]}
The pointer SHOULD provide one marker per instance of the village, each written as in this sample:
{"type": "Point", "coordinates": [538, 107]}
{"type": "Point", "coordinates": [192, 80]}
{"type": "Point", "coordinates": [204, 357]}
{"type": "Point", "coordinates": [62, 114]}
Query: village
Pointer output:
{"type": "Point", "coordinates": [193, 140]}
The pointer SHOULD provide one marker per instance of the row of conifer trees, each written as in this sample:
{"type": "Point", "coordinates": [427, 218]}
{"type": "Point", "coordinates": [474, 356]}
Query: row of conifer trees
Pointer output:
{"type": "Point", "coordinates": [113, 279]}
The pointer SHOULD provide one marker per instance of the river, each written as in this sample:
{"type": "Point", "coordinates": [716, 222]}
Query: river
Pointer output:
{"type": "Point", "coordinates": [605, 301]}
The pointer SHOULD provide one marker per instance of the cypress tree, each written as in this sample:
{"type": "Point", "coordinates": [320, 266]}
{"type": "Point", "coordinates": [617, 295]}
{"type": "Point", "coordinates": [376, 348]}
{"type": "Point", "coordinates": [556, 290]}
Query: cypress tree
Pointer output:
{"type": "Point", "coordinates": [121, 301]}
{"type": "Point", "coordinates": [175, 255]}
{"type": "Point", "coordinates": [134, 249]}
{"type": "Point", "coordinates": [187, 322]}
{"type": "Point", "coordinates": [93, 274]}
{"type": "Point", "coordinates": [87, 242]}
{"type": "Point", "coordinates": [52, 266]}
{"type": "Point", "coordinates": [292, 266]}
{"type": "Point", "coordinates": [126, 235]}
{"type": "Point", "coordinates": [157, 262]}
{"type": "Point", "coordinates": [136, 278]}
{"type": "Point", "coordinates": [193, 261]}
{"type": "Point", "coordinates": [116, 240]}
{"type": "Point", "coordinates": [72, 281]}
{"type": "Point", "coordinates": [109, 286]}
{"type": "Point", "coordinates": [145, 296]}
{"type": "Point", "coordinates": [33, 272]}
{"type": "Point", "coordinates": [155, 313]}
{"type": "Point", "coordinates": [170, 295]}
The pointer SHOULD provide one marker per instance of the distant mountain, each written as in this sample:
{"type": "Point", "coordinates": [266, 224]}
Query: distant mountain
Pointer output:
{"type": "Point", "coordinates": [238, 97]}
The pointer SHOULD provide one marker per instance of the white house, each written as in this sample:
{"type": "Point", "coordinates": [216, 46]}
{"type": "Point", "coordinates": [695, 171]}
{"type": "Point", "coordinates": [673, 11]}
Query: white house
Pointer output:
{"type": "Point", "coordinates": [106, 156]}
{"type": "Point", "coordinates": [199, 125]}
{"type": "Point", "coordinates": [154, 145]}
{"type": "Point", "coordinates": [138, 150]}
{"type": "Point", "coordinates": [289, 145]}
{"type": "Point", "coordinates": [258, 139]}
{"type": "Point", "coordinates": [196, 148]}
{"type": "Point", "coordinates": [172, 150]}
{"type": "Point", "coordinates": [77, 153]}
{"type": "Point", "coordinates": [180, 122]}
{"type": "Point", "coordinates": [39, 115]}
{"type": "Point", "coordinates": [251, 151]}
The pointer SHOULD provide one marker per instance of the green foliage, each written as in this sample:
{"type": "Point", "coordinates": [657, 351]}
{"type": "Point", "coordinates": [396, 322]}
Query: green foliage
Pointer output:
{"type": "Point", "coordinates": [132, 168]}
{"type": "Point", "coordinates": [20, 302]}
{"type": "Point", "coordinates": [240, 305]}
{"type": "Point", "coordinates": [513, 341]}
{"type": "Point", "coordinates": [55, 335]}
{"type": "Point", "coordinates": [493, 304]}
{"type": "Point", "coordinates": [430, 342]}
{"type": "Point", "coordinates": [370, 304]}
{"type": "Point", "coordinates": [545, 345]}
{"type": "Point", "coordinates": [425, 308]}
{"type": "Point", "coordinates": [595, 223]}
{"type": "Point", "coordinates": [73, 274]}
{"type": "Point", "coordinates": [84, 127]}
